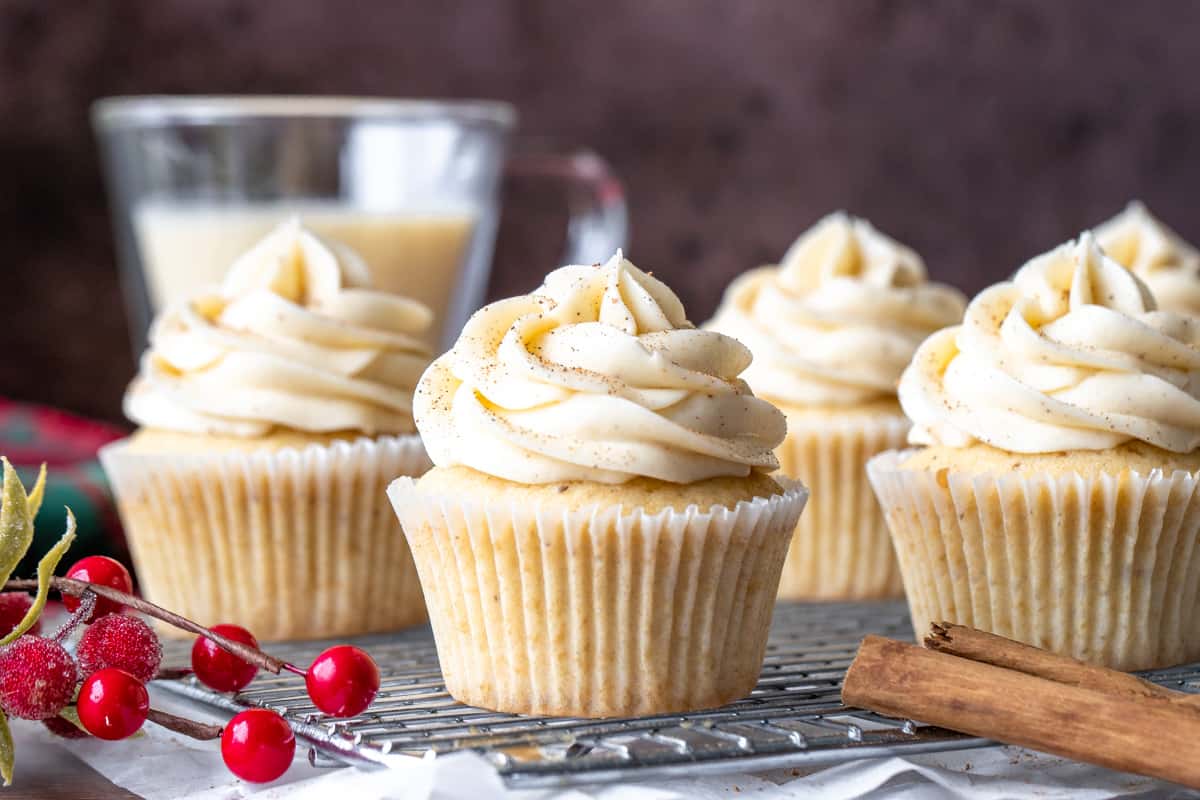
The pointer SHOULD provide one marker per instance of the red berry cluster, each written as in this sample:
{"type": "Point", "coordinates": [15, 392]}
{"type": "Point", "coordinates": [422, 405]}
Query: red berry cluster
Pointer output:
{"type": "Point", "coordinates": [258, 745]}
{"type": "Point", "coordinates": [39, 677]}
{"type": "Point", "coordinates": [118, 655]}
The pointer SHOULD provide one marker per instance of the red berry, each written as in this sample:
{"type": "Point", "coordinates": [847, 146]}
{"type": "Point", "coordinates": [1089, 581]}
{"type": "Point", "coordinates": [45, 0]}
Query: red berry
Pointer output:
{"type": "Point", "coordinates": [37, 678]}
{"type": "Point", "coordinates": [120, 641]}
{"type": "Point", "coordinates": [13, 606]}
{"type": "Point", "coordinates": [258, 745]}
{"type": "Point", "coordinates": [218, 669]}
{"type": "Point", "coordinates": [64, 728]}
{"type": "Point", "coordinates": [103, 571]}
{"type": "Point", "coordinates": [342, 681]}
{"type": "Point", "coordinates": [112, 704]}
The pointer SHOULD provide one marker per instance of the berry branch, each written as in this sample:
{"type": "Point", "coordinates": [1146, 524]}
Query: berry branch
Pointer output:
{"type": "Point", "coordinates": [76, 588]}
{"type": "Point", "coordinates": [87, 605]}
{"type": "Point", "coordinates": [188, 727]}
{"type": "Point", "coordinates": [172, 673]}
{"type": "Point", "coordinates": [117, 654]}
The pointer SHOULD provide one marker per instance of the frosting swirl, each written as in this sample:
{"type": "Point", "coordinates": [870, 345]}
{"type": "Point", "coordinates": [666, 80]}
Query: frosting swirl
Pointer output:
{"type": "Point", "coordinates": [1170, 266]}
{"type": "Point", "coordinates": [294, 338]}
{"type": "Point", "coordinates": [836, 322]}
{"type": "Point", "coordinates": [599, 376]}
{"type": "Point", "coordinates": [1070, 355]}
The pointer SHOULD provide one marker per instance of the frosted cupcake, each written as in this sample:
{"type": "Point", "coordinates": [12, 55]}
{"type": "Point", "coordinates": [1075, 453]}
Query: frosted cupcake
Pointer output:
{"type": "Point", "coordinates": [274, 410]}
{"type": "Point", "coordinates": [1136, 239]}
{"type": "Point", "coordinates": [831, 328]}
{"type": "Point", "coordinates": [1056, 501]}
{"type": "Point", "coordinates": [599, 535]}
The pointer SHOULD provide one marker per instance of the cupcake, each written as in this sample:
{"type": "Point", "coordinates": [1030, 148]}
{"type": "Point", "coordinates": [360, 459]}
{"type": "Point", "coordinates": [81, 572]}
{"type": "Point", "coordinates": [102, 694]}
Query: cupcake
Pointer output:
{"type": "Point", "coordinates": [1056, 499]}
{"type": "Point", "coordinates": [600, 535]}
{"type": "Point", "coordinates": [831, 328]}
{"type": "Point", "coordinates": [1140, 242]}
{"type": "Point", "coordinates": [273, 411]}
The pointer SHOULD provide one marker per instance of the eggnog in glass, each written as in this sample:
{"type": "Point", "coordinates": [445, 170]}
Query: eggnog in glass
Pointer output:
{"type": "Point", "coordinates": [411, 185]}
{"type": "Point", "coordinates": [418, 255]}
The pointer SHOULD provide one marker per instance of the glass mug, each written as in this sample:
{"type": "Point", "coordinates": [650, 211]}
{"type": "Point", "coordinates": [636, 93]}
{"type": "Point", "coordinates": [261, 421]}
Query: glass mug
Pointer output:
{"type": "Point", "coordinates": [412, 185]}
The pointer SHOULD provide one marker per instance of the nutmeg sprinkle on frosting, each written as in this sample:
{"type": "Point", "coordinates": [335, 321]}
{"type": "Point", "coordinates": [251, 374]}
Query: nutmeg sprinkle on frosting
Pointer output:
{"type": "Point", "coordinates": [597, 375]}
{"type": "Point", "coordinates": [1072, 354]}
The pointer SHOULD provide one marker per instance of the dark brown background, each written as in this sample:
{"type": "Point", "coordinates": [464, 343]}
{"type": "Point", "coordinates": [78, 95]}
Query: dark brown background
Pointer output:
{"type": "Point", "coordinates": [979, 132]}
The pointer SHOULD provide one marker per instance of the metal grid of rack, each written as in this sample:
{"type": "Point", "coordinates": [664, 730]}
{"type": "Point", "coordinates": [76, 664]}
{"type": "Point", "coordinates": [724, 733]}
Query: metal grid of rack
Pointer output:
{"type": "Point", "coordinates": [793, 719]}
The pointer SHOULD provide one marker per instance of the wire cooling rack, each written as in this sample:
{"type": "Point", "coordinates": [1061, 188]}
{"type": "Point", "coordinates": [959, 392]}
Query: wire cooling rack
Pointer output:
{"type": "Point", "coordinates": [794, 718]}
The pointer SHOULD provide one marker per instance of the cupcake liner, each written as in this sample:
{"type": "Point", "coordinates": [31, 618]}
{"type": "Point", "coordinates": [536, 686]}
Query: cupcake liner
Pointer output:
{"type": "Point", "coordinates": [597, 611]}
{"type": "Point", "coordinates": [1104, 569]}
{"type": "Point", "coordinates": [841, 549]}
{"type": "Point", "coordinates": [291, 544]}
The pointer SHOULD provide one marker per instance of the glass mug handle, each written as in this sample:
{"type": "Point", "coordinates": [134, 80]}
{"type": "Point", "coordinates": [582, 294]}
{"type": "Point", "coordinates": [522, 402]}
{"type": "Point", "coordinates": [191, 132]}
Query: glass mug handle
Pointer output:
{"type": "Point", "coordinates": [598, 222]}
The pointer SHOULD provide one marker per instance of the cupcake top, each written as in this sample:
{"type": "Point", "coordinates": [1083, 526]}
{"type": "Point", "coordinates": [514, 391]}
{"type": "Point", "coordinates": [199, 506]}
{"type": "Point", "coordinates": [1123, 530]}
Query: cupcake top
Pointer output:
{"type": "Point", "coordinates": [836, 322]}
{"type": "Point", "coordinates": [1070, 355]}
{"type": "Point", "coordinates": [596, 376]}
{"type": "Point", "coordinates": [1170, 266]}
{"type": "Point", "coordinates": [294, 339]}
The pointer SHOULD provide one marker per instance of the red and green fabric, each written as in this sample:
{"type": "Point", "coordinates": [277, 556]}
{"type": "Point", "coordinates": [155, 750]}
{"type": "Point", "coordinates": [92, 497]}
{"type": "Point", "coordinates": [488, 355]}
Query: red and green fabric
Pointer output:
{"type": "Point", "coordinates": [31, 435]}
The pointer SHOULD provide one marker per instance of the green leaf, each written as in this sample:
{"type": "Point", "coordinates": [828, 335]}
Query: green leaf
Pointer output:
{"type": "Point", "coordinates": [37, 493]}
{"type": "Point", "coordinates": [71, 715]}
{"type": "Point", "coordinates": [45, 571]}
{"type": "Point", "coordinates": [6, 751]}
{"type": "Point", "coordinates": [16, 522]}
{"type": "Point", "coordinates": [17, 510]}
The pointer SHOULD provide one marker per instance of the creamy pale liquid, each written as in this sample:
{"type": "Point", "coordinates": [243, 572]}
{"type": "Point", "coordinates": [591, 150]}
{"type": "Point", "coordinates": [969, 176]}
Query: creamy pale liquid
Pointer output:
{"type": "Point", "coordinates": [419, 255]}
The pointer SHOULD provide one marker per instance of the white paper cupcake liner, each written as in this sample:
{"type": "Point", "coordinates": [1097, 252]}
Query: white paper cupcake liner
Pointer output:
{"type": "Point", "coordinates": [841, 549]}
{"type": "Point", "coordinates": [1103, 569]}
{"type": "Point", "coordinates": [291, 544]}
{"type": "Point", "coordinates": [597, 611]}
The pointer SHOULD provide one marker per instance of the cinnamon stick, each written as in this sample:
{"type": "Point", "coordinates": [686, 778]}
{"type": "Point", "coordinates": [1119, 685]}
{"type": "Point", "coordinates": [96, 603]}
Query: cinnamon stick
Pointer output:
{"type": "Point", "coordinates": [988, 648]}
{"type": "Point", "coordinates": [1146, 735]}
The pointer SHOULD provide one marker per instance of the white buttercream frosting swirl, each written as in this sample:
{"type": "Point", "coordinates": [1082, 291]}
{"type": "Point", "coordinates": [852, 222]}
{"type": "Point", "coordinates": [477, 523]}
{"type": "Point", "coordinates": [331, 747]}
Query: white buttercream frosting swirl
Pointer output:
{"type": "Point", "coordinates": [1158, 255]}
{"type": "Point", "coordinates": [599, 376]}
{"type": "Point", "coordinates": [295, 338]}
{"type": "Point", "coordinates": [1072, 354]}
{"type": "Point", "coordinates": [838, 319]}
